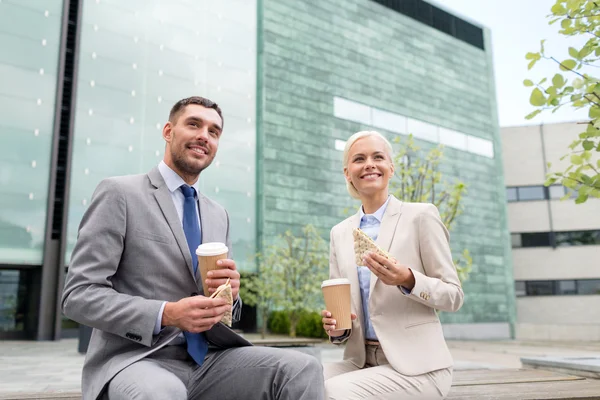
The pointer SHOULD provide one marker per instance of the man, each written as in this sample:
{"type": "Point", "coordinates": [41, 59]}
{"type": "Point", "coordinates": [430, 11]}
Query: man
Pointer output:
{"type": "Point", "coordinates": [133, 277]}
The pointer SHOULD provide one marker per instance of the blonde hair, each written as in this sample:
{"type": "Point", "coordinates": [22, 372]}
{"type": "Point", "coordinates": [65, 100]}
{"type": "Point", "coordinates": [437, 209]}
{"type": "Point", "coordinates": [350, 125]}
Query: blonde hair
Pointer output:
{"type": "Point", "coordinates": [351, 140]}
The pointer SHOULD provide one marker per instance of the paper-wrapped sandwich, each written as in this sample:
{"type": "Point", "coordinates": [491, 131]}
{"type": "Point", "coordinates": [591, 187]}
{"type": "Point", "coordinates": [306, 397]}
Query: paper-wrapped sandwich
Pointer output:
{"type": "Point", "coordinates": [364, 244]}
{"type": "Point", "coordinates": [225, 291]}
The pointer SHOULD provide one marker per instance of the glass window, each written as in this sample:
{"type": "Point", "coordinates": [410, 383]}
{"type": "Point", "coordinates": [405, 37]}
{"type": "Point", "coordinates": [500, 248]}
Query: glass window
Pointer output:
{"type": "Point", "coordinates": [352, 111]}
{"type": "Point", "coordinates": [453, 139]}
{"type": "Point", "coordinates": [567, 287]}
{"type": "Point", "coordinates": [515, 239]}
{"type": "Point", "coordinates": [532, 193]}
{"type": "Point", "coordinates": [577, 238]}
{"type": "Point", "coordinates": [422, 130]}
{"type": "Point", "coordinates": [389, 121]}
{"type": "Point", "coordinates": [30, 41]}
{"type": "Point", "coordinates": [540, 288]}
{"type": "Point", "coordinates": [139, 58]}
{"type": "Point", "coordinates": [19, 300]}
{"type": "Point", "coordinates": [511, 194]}
{"type": "Point", "coordinates": [556, 191]}
{"type": "Point", "coordinates": [588, 286]}
{"type": "Point", "coordinates": [483, 147]}
{"type": "Point", "coordinates": [536, 239]}
{"type": "Point", "coordinates": [520, 289]}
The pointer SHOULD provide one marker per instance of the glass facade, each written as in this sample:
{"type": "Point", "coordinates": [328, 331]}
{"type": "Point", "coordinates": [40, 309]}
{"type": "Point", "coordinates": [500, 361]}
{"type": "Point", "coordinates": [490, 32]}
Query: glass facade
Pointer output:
{"type": "Point", "coordinates": [136, 59]}
{"type": "Point", "coordinates": [30, 39]}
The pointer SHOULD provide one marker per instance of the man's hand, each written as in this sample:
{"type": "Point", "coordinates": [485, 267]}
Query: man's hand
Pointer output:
{"type": "Point", "coordinates": [329, 324]}
{"type": "Point", "coordinates": [390, 271]}
{"type": "Point", "coordinates": [218, 277]}
{"type": "Point", "coordinates": [194, 314]}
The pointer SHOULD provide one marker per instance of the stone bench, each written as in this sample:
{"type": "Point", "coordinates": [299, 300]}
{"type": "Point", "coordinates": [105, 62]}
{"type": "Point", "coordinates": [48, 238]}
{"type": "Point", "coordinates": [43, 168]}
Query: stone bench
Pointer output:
{"type": "Point", "coordinates": [580, 366]}
{"type": "Point", "coordinates": [475, 384]}
{"type": "Point", "coordinates": [523, 384]}
{"type": "Point", "coordinates": [304, 345]}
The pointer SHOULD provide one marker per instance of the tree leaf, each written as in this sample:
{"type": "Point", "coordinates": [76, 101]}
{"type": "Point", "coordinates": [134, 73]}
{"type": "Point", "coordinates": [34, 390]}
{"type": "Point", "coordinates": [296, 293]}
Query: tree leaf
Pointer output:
{"type": "Point", "coordinates": [582, 198]}
{"type": "Point", "coordinates": [558, 9]}
{"type": "Point", "coordinates": [586, 51]}
{"type": "Point", "coordinates": [588, 145]}
{"type": "Point", "coordinates": [594, 112]}
{"type": "Point", "coordinates": [527, 82]}
{"type": "Point", "coordinates": [568, 64]}
{"type": "Point", "coordinates": [576, 160]}
{"type": "Point", "coordinates": [531, 64]}
{"type": "Point", "coordinates": [572, 50]}
{"type": "Point", "coordinates": [532, 114]}
{"type": "Point", "coordinates": [537, 98]}
{"type": "Point", "coordinates": [558, 81]}
{"type": "Point", "coordinates": [532, 56]}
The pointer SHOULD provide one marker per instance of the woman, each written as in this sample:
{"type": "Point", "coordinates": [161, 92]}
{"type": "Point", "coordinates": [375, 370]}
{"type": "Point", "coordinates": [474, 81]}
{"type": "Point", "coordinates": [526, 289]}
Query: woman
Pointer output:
{"type": "Point", "coordinates": [396, 347]}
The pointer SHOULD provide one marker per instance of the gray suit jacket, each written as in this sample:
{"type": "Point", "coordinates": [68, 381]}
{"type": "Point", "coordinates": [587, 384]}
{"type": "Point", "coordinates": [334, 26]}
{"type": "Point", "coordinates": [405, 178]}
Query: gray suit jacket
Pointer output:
{"type": "Point", "coordinates": [131, 256]}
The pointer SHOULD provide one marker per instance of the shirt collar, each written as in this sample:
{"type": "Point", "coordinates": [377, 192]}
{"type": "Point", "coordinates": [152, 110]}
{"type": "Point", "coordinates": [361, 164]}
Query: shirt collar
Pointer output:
{"type": "Point", "coordinates": [377, 214]}
{"type": "Point", "coordinates": [172, 179]}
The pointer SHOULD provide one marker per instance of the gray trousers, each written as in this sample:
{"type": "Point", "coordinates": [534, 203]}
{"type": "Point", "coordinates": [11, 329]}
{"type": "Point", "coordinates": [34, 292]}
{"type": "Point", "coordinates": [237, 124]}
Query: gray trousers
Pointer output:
{"type": "Point", "coordinates": [237, 373]}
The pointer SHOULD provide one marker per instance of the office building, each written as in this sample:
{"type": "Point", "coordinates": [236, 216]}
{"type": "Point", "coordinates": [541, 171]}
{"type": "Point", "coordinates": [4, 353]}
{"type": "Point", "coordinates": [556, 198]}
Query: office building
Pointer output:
{"type": "Point", "coordinates": [555, 244]}
{"type": "Point", "coordinates": [87, 86]}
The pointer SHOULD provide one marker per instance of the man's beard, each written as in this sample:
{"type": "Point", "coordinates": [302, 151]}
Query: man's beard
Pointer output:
{"type": "Point", "coordinates": [183, 165]}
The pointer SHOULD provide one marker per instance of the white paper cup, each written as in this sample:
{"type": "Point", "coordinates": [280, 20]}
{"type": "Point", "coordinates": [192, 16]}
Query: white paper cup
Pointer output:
{"type": "Point", "coordinates": [208, 254]}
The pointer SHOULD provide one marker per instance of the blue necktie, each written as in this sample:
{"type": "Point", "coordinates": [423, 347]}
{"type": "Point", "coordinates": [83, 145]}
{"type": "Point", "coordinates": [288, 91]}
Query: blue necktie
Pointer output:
{"type": "Point", "coordinates": [196, 342]}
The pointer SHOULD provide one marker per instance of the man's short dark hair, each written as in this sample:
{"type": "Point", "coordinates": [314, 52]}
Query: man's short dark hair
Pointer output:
{"type": "Point", "coordinates": [178, 108]}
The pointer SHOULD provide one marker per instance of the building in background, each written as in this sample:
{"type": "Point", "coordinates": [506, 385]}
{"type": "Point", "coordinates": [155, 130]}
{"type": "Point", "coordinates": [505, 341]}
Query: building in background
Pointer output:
{"type": "Point", "coordinates": [89, 84]}
{"type": "Point", "coordinates": [555, 244]}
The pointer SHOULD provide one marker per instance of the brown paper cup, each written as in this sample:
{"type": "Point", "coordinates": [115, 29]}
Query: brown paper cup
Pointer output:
{"type": "Point", "coordinates": [208, 254]}
{"type": "Point", "coordinates": [337, 301]}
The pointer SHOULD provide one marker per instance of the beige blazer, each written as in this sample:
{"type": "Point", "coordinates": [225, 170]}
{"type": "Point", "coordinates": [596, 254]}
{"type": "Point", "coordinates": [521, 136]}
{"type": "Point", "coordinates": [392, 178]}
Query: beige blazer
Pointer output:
{"type": "Point", "coordinates": [407, 326]}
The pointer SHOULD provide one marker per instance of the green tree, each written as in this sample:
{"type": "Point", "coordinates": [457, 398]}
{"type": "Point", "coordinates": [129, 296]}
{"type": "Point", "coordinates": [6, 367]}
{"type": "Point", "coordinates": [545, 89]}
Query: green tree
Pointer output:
{"type": "Point", "coordinates": [290, 272]}
{"type": "Point", "coordinates": [418, 179]}
{"type": "Point", "coordinates": [574, 86]}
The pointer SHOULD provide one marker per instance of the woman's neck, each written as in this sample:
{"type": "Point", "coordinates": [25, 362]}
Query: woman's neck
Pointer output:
{"type": "Point", "coordinates": [373, 203]}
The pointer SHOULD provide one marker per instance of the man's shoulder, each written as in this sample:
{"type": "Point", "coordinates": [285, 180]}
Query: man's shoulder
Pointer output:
{"type": "Point", "coordinates": [212, 204]}
{"type": "Point", "coordinates": [124, 181]}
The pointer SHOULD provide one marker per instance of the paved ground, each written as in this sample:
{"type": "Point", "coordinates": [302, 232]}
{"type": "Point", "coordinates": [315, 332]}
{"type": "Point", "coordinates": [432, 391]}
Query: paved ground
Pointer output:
{"type": "Point", "coordinates": [56, 366]}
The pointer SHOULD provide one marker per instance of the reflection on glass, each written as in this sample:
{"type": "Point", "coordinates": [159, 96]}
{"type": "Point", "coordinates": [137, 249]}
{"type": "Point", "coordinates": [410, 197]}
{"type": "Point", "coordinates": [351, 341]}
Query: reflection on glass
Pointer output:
{"type": "Point", "coordinates": [137, 59]}
{"type": "Point", "coordinates": [520, 289]}
{"type": "Point", "coordinates": [18, 300]}
{"type": "Point", "coordinates": [535, 239]}
{"type": "Point", "coordinates": [556, 191]}
{"type": "Point", "coordinates": [540, 288]}
{"type": "Point", "coordinates": [515, 239]}
{"type": "Point", "coordinates": [588, 286]}
{"type": "Point", "coordinates": [567, 287]}
{"type": "Point", "coordinates": [30, 39]}
{"type": "Point", "coordinates": [511, 194]}
{"type": "Point", "coordinates": [532, 193]}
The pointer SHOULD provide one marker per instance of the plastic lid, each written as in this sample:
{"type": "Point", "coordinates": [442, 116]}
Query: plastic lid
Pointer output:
{"type": "Point", "coordinates": [211, 249]}
{"type": "Point", "coordinates": [333, 282]}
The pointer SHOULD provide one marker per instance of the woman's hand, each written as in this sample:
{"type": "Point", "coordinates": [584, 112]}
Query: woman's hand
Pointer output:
{"type": "Point", "coordinates": [390, 271]}
{"type": "Point", "coordinates": [329, 324]}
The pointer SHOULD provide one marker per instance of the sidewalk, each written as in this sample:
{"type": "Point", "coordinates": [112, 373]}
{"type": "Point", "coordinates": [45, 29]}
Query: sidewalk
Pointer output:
{"type": "Point", "coordinates": [56, 366]}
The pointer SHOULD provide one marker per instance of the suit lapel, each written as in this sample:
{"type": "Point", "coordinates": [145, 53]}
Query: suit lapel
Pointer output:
{"type": "Point", "coordinates": [387, 230]}
{"type": "Point", "coordinates": [165, 202]}
{"type": "Point", "coordinates": [205, 220]}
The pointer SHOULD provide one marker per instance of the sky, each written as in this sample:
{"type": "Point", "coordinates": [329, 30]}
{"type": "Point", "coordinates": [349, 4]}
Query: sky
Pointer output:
{"type": "Point", "coordinates": [517, 27]}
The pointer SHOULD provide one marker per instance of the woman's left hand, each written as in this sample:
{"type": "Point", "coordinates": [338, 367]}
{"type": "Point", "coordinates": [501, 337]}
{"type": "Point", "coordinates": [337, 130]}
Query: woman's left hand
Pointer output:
{"type": "Point", "coordinates": [390, 271]}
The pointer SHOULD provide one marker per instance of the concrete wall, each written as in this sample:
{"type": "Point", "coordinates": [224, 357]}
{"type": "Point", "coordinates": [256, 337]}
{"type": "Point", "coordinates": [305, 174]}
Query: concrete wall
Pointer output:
{"type": "Point", "coordinates": [558, 318]}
